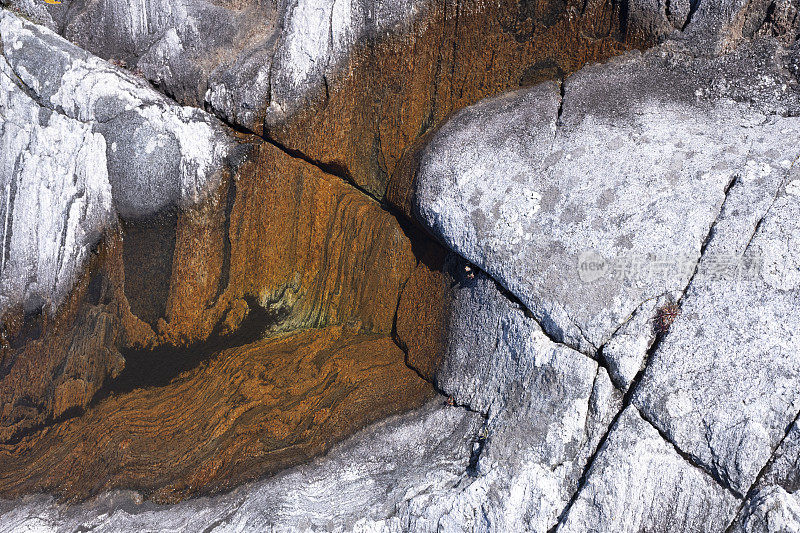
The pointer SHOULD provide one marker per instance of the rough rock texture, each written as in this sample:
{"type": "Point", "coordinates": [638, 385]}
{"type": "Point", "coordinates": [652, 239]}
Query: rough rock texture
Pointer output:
{"type": "Point", "coordinates": [769, 510]}
{"type": "Point", "coordinates": [638, 482]}
{"type": "Point", "coordinates": [361, 484]}
{"type": "Point", "coordinates": [354, 82]}
{"type": "Point", "coordinates": [691, 307]}
{"type": "Point", "coordinates": [249, 411]}
{"type": "Point", "coordinates": [547, 407]}
{"type": "Point", "coordinates": [619, 345]}
{"type": "Point", "coordinates": [83, 139]}
{"type": "Point", "coordinates": [723, 384]}
{"type": "Point", "coordinates": [168, 230]}
{"type": "Point", "coordinates": [514, 470]}
{"type": "Point", "coordinates": [82, 142]}
{"type": "Point", "coordinates": [591, 208]}
{"type": "Point", "coordinates": [350, 83]}
{"type": "Point", "coordinates": [772, 503]}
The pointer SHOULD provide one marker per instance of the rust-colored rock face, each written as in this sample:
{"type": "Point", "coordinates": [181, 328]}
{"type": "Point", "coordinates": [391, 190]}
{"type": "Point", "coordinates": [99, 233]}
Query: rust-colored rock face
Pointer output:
{"type": "Point", "coordinates": [50, 367]}
{"type": "Point", "coordinates": [394, 88]}
{"type": "Point", "coordinates": [299, 243]}
{"type": "Point", "coordinates": [248, 411]}
{"type": "Point", "coordinates": [281, 247]}
{"type": "Point", "coordinates": [215, 343]}
{"type": "Point", "coordinates": [422, 313]}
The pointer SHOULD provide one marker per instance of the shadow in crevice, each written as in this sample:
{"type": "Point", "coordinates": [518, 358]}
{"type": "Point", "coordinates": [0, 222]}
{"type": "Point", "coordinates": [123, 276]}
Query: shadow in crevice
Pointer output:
{"type": "Point", "coordinates": [157, 367]}
{"type": "Point", "coordinates": [147, 253]}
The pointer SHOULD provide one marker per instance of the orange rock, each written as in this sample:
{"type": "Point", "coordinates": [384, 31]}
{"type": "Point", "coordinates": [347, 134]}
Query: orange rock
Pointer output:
{"type": "Point", "coordinates": [247, 412]}
{"type": "Point", "coordinates": [394, 88]}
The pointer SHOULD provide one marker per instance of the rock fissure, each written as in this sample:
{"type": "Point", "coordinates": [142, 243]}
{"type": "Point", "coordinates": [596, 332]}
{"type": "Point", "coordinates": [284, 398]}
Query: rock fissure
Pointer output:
{"type": "Point", "coordinates": [692, 460]}
{"type": "Point", "coordinates": [572, 410]}
{"type": "Point", "coordinates": [775, 196]}
{"type": "Point", "coordinates": [751, 491]}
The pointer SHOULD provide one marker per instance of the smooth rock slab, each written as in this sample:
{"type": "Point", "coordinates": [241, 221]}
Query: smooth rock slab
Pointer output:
{"type": "Point", "coordinates": [586, 216]}
{"type": "Point", "coordinates": [638, 482]}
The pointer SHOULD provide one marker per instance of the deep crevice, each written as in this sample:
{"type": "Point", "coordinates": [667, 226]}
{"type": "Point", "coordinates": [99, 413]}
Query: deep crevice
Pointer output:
{"type": "Point", "coordinates": [562, 92]}
{"type": "Point", "coordinates": [693, 5]}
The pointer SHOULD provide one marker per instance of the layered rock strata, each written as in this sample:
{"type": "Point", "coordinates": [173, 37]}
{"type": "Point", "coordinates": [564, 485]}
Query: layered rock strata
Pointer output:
{"type": "Point", "coordinates": [142, 239]}
{"type": "Point", "coordinates": [619, 348]}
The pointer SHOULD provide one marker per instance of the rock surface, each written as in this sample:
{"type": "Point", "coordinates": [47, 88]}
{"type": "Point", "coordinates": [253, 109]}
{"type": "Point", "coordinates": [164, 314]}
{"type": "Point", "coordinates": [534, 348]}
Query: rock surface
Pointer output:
{"type": "Point", "coordinates": [168, 230]}
{"type": "Point", "coordinates": [638, 482]}
{"type": "Point", "coordinates": [538, 188]}
{"type": "Point", "coordinates": [83, 140]}
{"type": "Point", "coordinates": [411, 455]}
{"type": "Point", "coordinates": [249, 411]}
{"type": "Point", "coordinates": [617, 342]}
{"type": "Point", "coordinates": [547, 407]}
{"type": "Point", "coordinates": [351, 83]}
{"type": "Point", "coordinates": [588, 208]}
{"type": "Point", "coordinates": [723, 384]}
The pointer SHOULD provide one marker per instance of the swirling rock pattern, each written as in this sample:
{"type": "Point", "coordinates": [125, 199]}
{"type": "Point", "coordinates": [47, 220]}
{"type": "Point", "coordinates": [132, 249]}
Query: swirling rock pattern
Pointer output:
{"type": "Point", "coordinates": [214, 302]}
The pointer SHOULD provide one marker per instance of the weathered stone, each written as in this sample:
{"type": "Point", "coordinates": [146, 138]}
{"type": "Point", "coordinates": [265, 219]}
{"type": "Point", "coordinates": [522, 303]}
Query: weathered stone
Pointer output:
{"type": "Point", "coordinates": [81, 143]}
{"type": "Point", "coordinates": [349, 83]}
{"type": "Point", "coordinates": [772, 504]}
{"type": "Point", "coordinates": [770, 510]}
{"type": "Point", "coordinates": [203, 241]}
{"type": "Point", "coordinates": [547, 406]}
{"type": "Point", "coordinates": [723, 384]}
{"type": "Point", "coordinates": [538, 199]}
{"type": "Point", "coordinates": [670, 158]}
{"type": "Point", "coordinates": [638, 482]}
{"type": "Point", "coordinates": [248, 411]}
{"type": "Point", "coordinates": [82, 140]}
{"type": "Point", "coordinates": [421, 321]}
{"type": "Point", "coordinates": [391, 462]}
{"type": "Point", "coordinates": [301, 70]}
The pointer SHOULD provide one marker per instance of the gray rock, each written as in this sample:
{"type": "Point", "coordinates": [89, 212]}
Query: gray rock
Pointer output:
{"type": "Point", "coordinates": [784, 467]}
{"type": "Point", "coordinates": [624, 353]}
{"type": "Point", "coordinates": [238, 58]}
{"type": "Point", "coordinates": [771, 510]}
{"type": "Point", "coordinates": [724, 384]}
{"type": "Point", "coordinates": [638, 482]}
{"type": "Point", "coordinates": [547, 405]}
{"type": "Point", "coordinates": [655, 142]}
{"type": "Point", "coordinates": [772, 505]}
{"type": "Point", "coordinates": [627, 181]}
{"type": "Point", "coordinates": [658, 167]}
{"type": "Point", "coordinates": [83, 141]}
{"type": "Point", "coordinates": [32, 10]}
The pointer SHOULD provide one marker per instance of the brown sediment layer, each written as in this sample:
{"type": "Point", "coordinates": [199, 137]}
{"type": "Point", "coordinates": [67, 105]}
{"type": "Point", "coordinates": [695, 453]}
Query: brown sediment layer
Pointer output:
{"type": "Point", "coordinates": [392, 89]}
{"type": "Point", "coordinates": [245, 413]}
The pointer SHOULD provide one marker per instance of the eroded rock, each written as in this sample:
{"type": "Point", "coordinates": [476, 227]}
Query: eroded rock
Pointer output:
{"type": "Point", "coordinates": [722, 383]}
{"type": "Point", "coordinates": [638, 482]}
